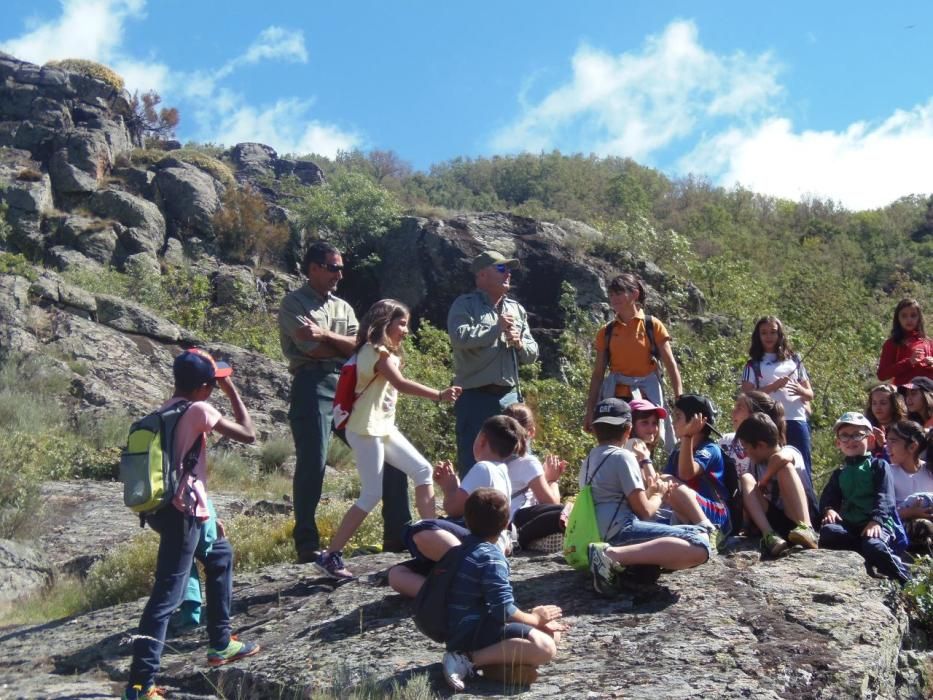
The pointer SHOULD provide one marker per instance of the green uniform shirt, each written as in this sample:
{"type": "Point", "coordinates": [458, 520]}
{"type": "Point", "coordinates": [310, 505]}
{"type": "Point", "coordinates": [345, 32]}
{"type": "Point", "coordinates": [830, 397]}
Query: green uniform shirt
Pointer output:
{"type": "Point", "coordinates": [328, 312]}
{"type": "Point", "coordinates": [481, 356]}
{"type": "Point", "coordinates": [857, 482]}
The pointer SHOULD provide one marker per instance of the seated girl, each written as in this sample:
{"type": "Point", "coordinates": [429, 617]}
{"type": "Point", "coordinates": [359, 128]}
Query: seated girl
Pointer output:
{"type": "Point", "coordinates": [885, 407]}
{"type": "Point", "coordinates": [535, 506]}
{"type": "Point", "coordinates": [646, 435]}
{"type": "Point", "coordinates": [913, 481]}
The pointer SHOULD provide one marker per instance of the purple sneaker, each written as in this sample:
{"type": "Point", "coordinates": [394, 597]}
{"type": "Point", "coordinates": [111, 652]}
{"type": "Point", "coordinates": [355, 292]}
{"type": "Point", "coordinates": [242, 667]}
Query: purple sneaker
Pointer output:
{"type": "Point", "coordinates": [331, 563]}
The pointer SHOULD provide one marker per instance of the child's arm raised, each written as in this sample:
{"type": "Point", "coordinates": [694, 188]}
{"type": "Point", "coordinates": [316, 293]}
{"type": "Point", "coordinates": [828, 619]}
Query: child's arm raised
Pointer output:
{"type": "Point", "coordinates": [687, 467]}
{"type": "Point", "coordinates": [241, 429]}
{"type": "Point", "coordinates": [449, 483]}
{"type": "Point", "coordinates": [545, 487]}
{"type": "Point", "coordinates": [391, 372]}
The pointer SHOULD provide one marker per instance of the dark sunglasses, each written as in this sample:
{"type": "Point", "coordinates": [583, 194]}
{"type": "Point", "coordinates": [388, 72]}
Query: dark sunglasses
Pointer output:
{"type": "Point", "coordinates": [501, 267]}
{"type": "Point", "coordinates": [330, 267]}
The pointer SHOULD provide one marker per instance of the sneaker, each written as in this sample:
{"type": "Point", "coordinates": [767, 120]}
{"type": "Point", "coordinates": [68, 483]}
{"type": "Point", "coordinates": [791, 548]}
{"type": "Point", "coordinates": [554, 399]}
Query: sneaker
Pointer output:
{"type": "Point", "coordinates": [136, 692]}
{"type": "Point", "coordinates": [510, 675]}
{"type": "Point", "coordinates": [774, 544]}
{"type": "Point", "coordinates": [603, 568]}
{"type": "Point", "coordinates": [234, 651]}
{"type": "Point", "coordinates": [805, 536]}
{"type": "Point", "coordinates": [331, 563]}
{"type": "Point", "coordinates": [457, 668]}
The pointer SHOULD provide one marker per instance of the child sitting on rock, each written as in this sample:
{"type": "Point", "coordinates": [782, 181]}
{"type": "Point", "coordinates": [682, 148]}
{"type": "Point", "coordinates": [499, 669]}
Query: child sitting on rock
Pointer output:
{"type": "Point", "coordinates": [625, 508]}
{"type": "Point", "coordinates": [698, 468]}
{"type": "Point", "coordinates": [857, 503]}
{"type": "Point", "coordinates": [428, 540]}
{"type": "Point", "coordinates": [486, 630]}
{"type": "Point", "coordinates": [773, 491]}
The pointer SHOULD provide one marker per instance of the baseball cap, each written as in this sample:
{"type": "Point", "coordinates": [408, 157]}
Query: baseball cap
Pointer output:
{"type": "Point", "coordinates": [921, 383]}
{"type": "Point", "coordinates": [692, 404]}
{"type": "Point", "coordinates": [646, 406]}
{"type": "Point", "coordinates": [491, 257]}
{"type": "Point", "coordinates": [195, 367]}
{"type": "Point", "coordinates": [852, 418]}
{"type": "Point", "coordinates": [613, 412]}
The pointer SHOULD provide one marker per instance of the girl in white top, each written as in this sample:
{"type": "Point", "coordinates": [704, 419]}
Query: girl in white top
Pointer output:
{"type": "Point", "coordinates": [775, 369]}
{"type": "Point", "coordinates": [536, 506]}
{"type": "Point", "coordinates": [911, 475]}
{"type": "Point", "coordinates": [371, 430]}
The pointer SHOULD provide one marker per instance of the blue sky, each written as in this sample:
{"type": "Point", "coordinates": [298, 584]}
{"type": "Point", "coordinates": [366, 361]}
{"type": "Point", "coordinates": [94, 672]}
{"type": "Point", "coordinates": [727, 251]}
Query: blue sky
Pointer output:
{"type": "Point", "coordinates": [794, 99]}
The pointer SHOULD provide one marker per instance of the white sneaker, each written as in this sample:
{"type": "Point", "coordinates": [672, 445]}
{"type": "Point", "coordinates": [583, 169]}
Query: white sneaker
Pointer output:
{"type": "Point", "coordinates": [457, 668]}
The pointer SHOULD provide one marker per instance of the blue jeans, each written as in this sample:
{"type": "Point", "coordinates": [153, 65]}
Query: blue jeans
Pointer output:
{"type": "Point", "coordinates": [311, 416]}
{"type": "Point", "coordinates": [634, 531]}
{"type": "Point", "coordinates": [878, 553]}
{"type": "Point", "coordinates": [798, 435]}
{"type": "Point", "coordinates": [179, 535]}
{"type": "Point", "coordinates": [471, 410]}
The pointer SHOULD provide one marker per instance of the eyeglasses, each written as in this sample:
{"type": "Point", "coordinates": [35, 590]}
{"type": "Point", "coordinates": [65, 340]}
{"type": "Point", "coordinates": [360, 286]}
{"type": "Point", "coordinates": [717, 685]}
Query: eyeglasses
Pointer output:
{"type": "Point", "coordinates": [501, 267]}
{"type": "Point", "coordinates": [330, 267]}
{"type": "Point", "coordinates": [854, 437]}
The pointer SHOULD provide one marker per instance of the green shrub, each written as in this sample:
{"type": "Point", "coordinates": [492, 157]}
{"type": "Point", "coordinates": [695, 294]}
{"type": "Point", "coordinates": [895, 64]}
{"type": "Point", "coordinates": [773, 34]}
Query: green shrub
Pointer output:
{"type": "Point", "coordinates": [275, 451]}
{"type": "Point", "coordinates": [260, 541]}
{"type": "Point", "coordinates": [103, 431]}
{"type": "Point", "coordinates": [14, 263]}
{"type": "Point", "coordinates": [125, 573]}
{"type": "Point", "coordinates": [90, 69]}
{"type": "Point", "coordinates": [229, 469]}
{"type": "Point", "coordinates": [98, 281]}
{"type": "Point", "coordinates": [918, 594]}
{"type": "Point", "coordinates": [19, 493]}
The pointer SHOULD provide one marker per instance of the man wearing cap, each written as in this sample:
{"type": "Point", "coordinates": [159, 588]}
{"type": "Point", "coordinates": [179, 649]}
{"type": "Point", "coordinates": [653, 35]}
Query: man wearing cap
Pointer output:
{"type": "Point", "coordinates": [490, 337]}
{"type": "Point", "coordinates": [317, 331]}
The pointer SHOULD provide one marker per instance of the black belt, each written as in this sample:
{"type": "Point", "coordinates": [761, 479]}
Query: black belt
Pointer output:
{"type": "Point", "coordinates": [327, 367]}
{"type": "Point", "coordinates": [497, 390]}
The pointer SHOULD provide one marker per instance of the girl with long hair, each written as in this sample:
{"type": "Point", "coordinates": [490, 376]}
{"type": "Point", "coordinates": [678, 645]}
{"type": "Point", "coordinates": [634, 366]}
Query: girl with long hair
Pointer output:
{"type": "Point", "coordinates": [913, 481]}
{"type": "Point", "coordinates": [371, 430]}
{"type": "Point", "coordinates": [908, 352]}
{"type": "Point", "coordinates": [885, 407]}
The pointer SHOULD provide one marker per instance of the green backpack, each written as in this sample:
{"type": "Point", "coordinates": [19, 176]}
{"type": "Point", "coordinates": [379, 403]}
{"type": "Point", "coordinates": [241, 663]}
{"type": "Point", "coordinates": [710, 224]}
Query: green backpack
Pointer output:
{"type": "Point", "coordinates": [150, 479]}
{"type": "Point", "coordinates": [582, 528]}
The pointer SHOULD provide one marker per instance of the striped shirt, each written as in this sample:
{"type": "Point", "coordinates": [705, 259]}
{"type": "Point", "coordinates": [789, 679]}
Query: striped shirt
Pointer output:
{"type": "Point", "coordinates": [480, 589]}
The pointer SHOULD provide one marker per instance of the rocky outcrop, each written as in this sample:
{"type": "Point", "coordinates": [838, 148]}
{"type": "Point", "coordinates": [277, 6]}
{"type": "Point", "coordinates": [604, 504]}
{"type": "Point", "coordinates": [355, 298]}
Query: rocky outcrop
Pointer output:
{"type": "Point", "coordinates": [22, 571]}
{"type": "Point", "coordinates": [257, 163]}
{"type": "Point", "coordinates": [189, 197]}
{"type": "Point", "coordinates": [811, 625]}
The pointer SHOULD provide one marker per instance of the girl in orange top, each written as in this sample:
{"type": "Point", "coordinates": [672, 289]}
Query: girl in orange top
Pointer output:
{"type": "Point", "coordinates": [628, 354]}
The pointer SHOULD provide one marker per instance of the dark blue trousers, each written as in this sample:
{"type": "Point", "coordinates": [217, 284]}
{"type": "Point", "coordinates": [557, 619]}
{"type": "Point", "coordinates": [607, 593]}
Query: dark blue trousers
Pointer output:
{"type": "Point", "coordinates": [877, 552]}
{"type": "Point", "coordinates": [179, 534]}
{"type": "Point", "coordinates": [798, 435]}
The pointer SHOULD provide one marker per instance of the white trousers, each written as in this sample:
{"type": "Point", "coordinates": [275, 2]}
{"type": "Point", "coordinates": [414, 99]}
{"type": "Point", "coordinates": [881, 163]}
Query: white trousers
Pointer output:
{"type": "Point", "coordinates": [371, 453]}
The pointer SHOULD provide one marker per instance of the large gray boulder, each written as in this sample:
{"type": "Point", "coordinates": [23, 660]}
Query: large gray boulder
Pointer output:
{"type": "Point", "coordinates": [189, 197]}
{"type": "Point", "coordinates": [23, 571]}
{"type": "Point", "coordinates": [145, 226]}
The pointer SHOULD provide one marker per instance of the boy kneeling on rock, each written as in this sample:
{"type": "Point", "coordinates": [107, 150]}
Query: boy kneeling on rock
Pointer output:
{"type": "Point", "coordinates": [485, 628]}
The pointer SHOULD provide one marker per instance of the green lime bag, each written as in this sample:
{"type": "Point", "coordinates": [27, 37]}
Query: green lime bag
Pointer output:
{"type": "Point", "coordinates": [582, 528]}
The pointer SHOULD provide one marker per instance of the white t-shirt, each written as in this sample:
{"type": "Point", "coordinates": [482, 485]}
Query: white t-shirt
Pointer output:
{"type": "Point", "coordinates": [774, 493]}
{"type": "Point", "coordinates": [732, 447]}
{"type": "Point", "coordinates": [493, 475]}
{"type": "Point", "coordinates": [906, 484]}
{"type": "Point", "coordinates": [522, 471]}
{"type": "Point", "coordinates": [770, 370]}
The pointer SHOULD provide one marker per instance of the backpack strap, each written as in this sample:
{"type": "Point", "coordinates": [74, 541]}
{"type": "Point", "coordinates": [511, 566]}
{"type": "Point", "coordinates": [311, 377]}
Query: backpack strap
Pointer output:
{"type": "Point", "coordinates": [649, 331]}
{"type": "Point", "coordinates": [589, 479]}
{"type": "Point", "coordinates": [608, 334]}
{"type": "Point", "coordinates": [756, 371]}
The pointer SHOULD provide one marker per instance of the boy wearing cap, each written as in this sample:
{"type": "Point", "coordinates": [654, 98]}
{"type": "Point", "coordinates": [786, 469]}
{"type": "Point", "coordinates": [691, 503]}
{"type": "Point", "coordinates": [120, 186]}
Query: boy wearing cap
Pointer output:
{"type": "Point", "coordinates": [179, 526]}
{"type": "Point", "coordinates": [698, 465]}
{"type": "Point", "coordinates": [490, 338]}
{"type": "Point", "coordinates": [626, 508]}
{"type": "Point", "coordinates": [857, 504]}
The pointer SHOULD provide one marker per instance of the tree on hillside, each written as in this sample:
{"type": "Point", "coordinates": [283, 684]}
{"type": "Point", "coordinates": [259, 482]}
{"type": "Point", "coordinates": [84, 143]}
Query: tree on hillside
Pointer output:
{"type": "Point", "coordinates": [924, 230]}
{"type": "Point", "coordinates": [148, 120]}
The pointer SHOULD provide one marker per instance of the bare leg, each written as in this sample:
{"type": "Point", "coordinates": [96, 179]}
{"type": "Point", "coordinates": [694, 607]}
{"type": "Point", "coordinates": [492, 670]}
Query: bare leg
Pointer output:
{"type": "Point", "coordinates": [349, 525]}
{"type": "Point", "coordinates": [405, 581]}
{"type": "Point", "coordinates": [537, 650]}
{"type": "Point", "coordinates": [754, 503]}
{"type": "Point", "coordinates": [434, 543]}
{"type": "Point", "coordinates": [793, 495]}
{"type": "Point", "coordinates": [669, 552]}
{"type": "Point", "coordinates": [684, 503]}
{"type": "Point", "coordinates": [424, 502]}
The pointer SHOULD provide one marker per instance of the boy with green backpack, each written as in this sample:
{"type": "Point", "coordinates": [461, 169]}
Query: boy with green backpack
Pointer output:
{"type": "Point", "coordinates": [181, 511]}
{"type": "Point", "coordinates": [624, 508]}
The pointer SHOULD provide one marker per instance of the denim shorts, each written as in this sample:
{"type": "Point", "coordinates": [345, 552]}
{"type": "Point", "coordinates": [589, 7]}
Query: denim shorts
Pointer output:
{"type": "Point", "coordinates": [634, 531]}
{"type": "Point", "coordinates": [486, 633]}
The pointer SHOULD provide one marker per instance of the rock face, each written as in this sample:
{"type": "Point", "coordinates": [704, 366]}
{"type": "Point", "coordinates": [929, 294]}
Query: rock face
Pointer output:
{"type": "Point", "coordinates": [22, 571]}
{"type": "Point", "coordinates": [812, 625]}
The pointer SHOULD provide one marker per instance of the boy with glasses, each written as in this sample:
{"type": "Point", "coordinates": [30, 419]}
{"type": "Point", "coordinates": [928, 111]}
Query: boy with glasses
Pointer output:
{"type": "Point", "coordinates": [857, 504]}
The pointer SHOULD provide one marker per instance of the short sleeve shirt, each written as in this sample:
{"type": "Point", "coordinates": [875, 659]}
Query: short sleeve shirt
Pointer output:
{"type": "Point", "coordinates": [522, 471]}
{"type": "Point", "coordinates": [328, 312]}
{"type": "Point", "coordinates": [611, 484]}
{"type": "Point", "coordinates": [709, 457]}
{"type": "Point", "coordinates": [374, 409]}
{"type": "Point", "coordinates": [732, 447]}
{"type": "Point", "coordinates": [771, 368]}
{"type": "Point", "coordinates": [630, 349]}
{"type": "Point", "coordinates": [906, 484]}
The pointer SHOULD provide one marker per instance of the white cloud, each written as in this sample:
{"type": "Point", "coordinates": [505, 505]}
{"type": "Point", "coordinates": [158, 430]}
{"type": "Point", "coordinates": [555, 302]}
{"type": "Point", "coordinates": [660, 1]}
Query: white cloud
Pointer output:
{"type": "Point", "coordinates": [284, 125]}
{"type": "Point", "coordinates": [635, 103]}
{"type": "Point", "coordinates": [273, 43]}
{"type": "Point", "coordinates": [863, 167]}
